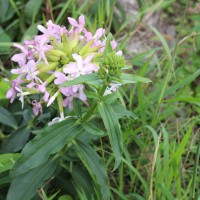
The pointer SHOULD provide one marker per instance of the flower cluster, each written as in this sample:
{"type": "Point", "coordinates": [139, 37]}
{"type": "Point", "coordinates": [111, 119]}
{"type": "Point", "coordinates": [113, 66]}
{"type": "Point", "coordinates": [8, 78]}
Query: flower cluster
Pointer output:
{"type": "Point", "coordinates": [56, 56]}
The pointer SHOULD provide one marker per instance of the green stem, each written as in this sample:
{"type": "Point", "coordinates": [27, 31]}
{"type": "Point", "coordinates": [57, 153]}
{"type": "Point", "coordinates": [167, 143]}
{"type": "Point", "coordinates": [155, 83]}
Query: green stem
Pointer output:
{"type": "Point", "coordinates": [60, 106]}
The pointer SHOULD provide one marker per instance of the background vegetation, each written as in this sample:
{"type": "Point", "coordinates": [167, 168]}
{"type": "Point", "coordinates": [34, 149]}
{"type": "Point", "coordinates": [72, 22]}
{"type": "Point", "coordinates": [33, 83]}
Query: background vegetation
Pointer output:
{"type": "Point", "coordinates": [162, 143]}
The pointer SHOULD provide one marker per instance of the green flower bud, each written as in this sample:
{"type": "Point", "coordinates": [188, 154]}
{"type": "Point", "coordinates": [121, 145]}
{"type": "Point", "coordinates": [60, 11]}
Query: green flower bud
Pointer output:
{"type": "Point", "coordinates": [54, 55]}
{"type": "Point", "coordinates": [111, 66]}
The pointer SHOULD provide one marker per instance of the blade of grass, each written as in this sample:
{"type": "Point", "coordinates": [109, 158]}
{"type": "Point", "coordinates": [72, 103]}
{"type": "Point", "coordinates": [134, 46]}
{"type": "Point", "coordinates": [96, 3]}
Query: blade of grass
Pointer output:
{"type": "Point", "coordinates": [170, 68]}
{"type": "Point", "coordinates": [62, 12]}
{"type": "Point", "coordinates": [135, 171]}
{"type": "Point", "coordinates": [195, 170]}
{"type": "Point", "coordinates": [14, 7]}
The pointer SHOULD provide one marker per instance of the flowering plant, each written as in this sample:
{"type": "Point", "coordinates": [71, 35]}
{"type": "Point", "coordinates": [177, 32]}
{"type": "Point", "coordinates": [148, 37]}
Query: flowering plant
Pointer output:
{"type": "Point", "coordinates": [79, 73]}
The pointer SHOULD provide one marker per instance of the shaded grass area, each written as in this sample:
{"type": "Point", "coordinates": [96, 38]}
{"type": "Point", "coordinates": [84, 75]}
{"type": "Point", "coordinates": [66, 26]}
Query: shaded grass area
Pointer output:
{"type": "Point", "coordinates": [161, 154]}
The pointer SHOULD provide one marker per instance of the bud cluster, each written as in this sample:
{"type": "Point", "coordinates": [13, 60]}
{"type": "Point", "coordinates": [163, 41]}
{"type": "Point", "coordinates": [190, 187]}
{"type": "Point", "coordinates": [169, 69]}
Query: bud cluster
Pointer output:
{"type": "Point", "coordinates": [59, 55]}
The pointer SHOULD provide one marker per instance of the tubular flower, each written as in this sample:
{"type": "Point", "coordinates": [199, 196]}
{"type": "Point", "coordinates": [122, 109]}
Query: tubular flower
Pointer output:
{"type": "Point", "coordinates": [57, 56]}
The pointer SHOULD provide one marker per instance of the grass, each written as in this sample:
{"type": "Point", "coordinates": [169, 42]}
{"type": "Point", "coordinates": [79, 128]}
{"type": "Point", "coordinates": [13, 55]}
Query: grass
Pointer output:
{"type": "Point", "coordinates": [162, 147]}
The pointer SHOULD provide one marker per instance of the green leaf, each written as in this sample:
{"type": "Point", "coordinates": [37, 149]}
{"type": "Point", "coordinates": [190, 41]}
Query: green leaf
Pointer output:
{"type": "Point", "coordinates": [5, 178]}
{"type": "Point", "coordinates": [7, 161]}
{"type": "Point", "coordinates": [130, 78]}
{"type": "Point", "coordinates": [108, 47]}
{"type": "Point", "coordinates": [94, 165]}
{"type": "Point", "coordinates": [91, 95]}
{"type": "Point", "coordinates": [4, 88]}
{"type": "Point", "coordinates": [92, 79]}
{"type": "Point", "coordinates": [4, 38]}
{"type": "Point", "coordinates": [52, 140]}
{"type": "Point", "coordinates": [65, 197]}
{"type": "Point", "coordinates": [25, 185]}
{"type": "Point", "coordinates": [111, 123]}
{"type": "Point", "coordinates": [119, 194]}
{"type": "Point", "coordinates": [83, 181]}
{"type": "Point", "coordinates": [163, 41]}
{"type": "Point", "coordinates": [137, 173]}
{"type": "Point", "coordinates": [165, 191]}
{"type": "Point", "coordinates": [77, 104]}
{"type": "Point", "coordinates": [90, 128]}
{"type": "Point", "coordinates": [16, 140]}
{"type": "Point", "coordinates": [122, 112]}
{"type": "Point", "coordinates": [6, 11]}
{"type": "Point", "coordinates": [31, 9]}
{"type": "Point", "coordinates": [45, 197]}
{"type": "Point", "coordinates": [186, 99]}
{"type": "Point", "coordinates": [30, 32]}
{"type": "Point", "coordinates": [110, 97]}
{"type": "Point", "coordinates": [7, 118]}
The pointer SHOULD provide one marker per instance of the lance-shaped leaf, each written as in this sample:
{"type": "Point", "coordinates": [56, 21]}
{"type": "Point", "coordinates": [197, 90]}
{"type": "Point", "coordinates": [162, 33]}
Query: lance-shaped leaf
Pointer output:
{"type": "Point", "coordinates": [7, 118]}
{"type": "Point", "coordinates": [95, 167]}
{"type": "Point", "coordinates": [131, 78]}
{"type": "Point", "coordinates": [92, 129]}
{"type": "Point", "coordinates": [16, 141]}
{"type": "Point", "coordinates": [111, 123]}
{"type": "Point", "coordinates": [25, 185]}
{"type": "Point", "coordinates": [92, 79]}
{"type": "Point", "coordinates": [52, 140]}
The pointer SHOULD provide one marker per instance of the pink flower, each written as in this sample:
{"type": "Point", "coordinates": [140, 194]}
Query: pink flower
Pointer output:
{"type": "Point", "coordinates": [78, 25]}
{"type": "Point", "coordinates": [96, 38]}
{"type": "Point", "coordinates": [51, 30]}
{"type": "Point", "coordinates": [60, 78]}
{"type": "Point", "coordinates": [67, 102]}
{"type": "Point", "coordinates": [80, 67]}
{"type": "Point", "coordinates": [37, 107]}
{"type": "Point", "coordinates": [41, 48]}
{"type": "Point", "coordinates": [20, 57]}
{"type": "Point", "coordinates": [11, 94]}
{"type": "Point", "coordinates": [72, 92]}
{"type": "Point", "coordinates": [28, 70]}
